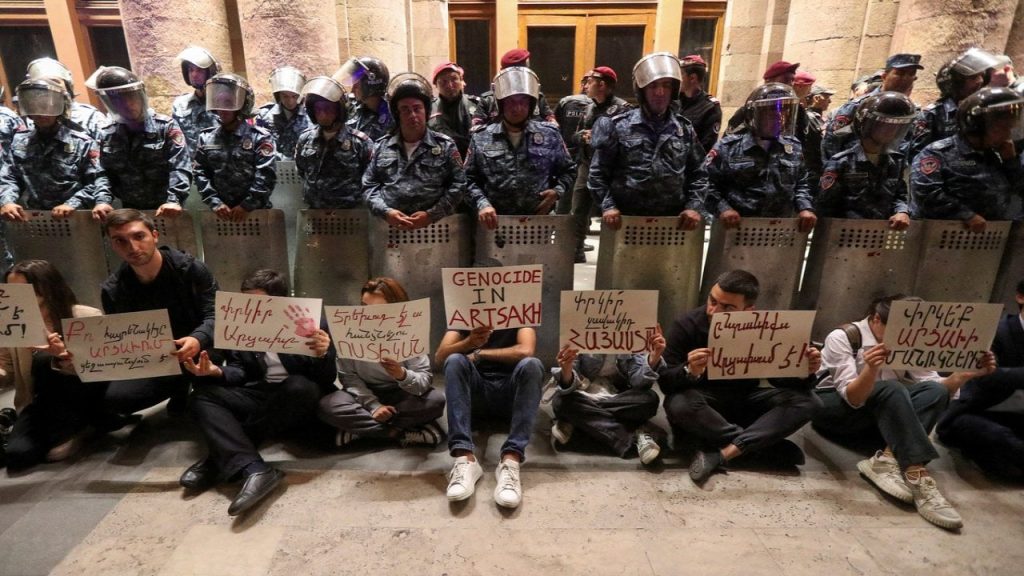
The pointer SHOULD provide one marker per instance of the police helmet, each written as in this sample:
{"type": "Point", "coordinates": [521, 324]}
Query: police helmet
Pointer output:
{"type": "Point", "coordinates": [43, 97]}
{"type": "Point", "coordinates": [287, 79]}
{"type": "Point", "coordinates": [989, 106]}
{"type": "Point", "coordinates": [771, 110]}
{"type": "Point", "coordinates": [884, 118]}
{"type": "Point", "coordinates": [953, 73]}
{"type": "Point", "coordinates": [229, 92]}
{"type": "Point", "coordinates": [200, 58]}
{"type": "Point", "coordinates": [1018, 85]}
{"type": "Point", "coordinates": [655, 67]}
{"type": "Point", "coordinates": [50, 68]}
{"type": "Point", "coordinates": [122, 93]}
{"type": "Point", "coordinates": [516, 80]}
{"type": "Point", "coordinates": [324, 88]}
{"type": "Point", "coordinates": [366, 71]}
{"type": "Point", "coordinates": [409, 85]}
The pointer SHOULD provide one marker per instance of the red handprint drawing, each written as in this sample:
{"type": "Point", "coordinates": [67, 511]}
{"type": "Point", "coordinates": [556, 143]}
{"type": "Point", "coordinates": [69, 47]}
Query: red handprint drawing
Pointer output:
{"type": "Point", "coordinates": [305, 325]}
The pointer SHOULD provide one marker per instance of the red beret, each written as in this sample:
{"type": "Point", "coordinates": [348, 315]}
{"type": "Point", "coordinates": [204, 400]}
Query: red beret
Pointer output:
{"type": "Point", "coordinates": [804, 78]}
{"type": "Point", "coordinates": [604, 73]}
{"type": "Point", "coordinates": [780, 67]}
{"type": "Point", "coordinates": [692, 60]}
{"type": "Point", "coordinates": [445, 66]}
{"type": "Point", "coordinates": [515, 57]}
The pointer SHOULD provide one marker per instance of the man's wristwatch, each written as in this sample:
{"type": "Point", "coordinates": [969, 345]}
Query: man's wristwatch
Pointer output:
{"type": "Point", "coordinates": [690, 375]}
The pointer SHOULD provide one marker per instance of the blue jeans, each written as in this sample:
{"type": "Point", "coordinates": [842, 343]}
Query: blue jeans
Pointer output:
{"type": "Point", "coordinates": [513, 396]}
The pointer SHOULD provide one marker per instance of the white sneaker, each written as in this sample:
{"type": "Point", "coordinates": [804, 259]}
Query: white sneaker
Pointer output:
{"type": "Point", "coordinates": [429, 434]}
{"type": "Point", "coordinates": [463, 478]}
{"type": "Point", "coordinates": [561, 431]}
{"type": "Point", "coordinates": [931, 505]}
{"type": "Point", "coordinates": [884, 472]}
{"type": "Point", "coordinates": [509, 491]}
{"type": "Point", "coordinates": [646, 447]}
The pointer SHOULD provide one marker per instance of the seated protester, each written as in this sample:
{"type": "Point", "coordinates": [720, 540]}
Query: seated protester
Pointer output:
{"type": "Point", "coordinates": [866, 179]}
{"type": "Point", "coordinates": [255, 394]}
{"type": "Point", "coordinates": [861, 397]}
{"type": "Point", "coordinates": [760, 172]}
{"type": "Point", "coordinates": [517, 166]}
{"type": "Point", "coordinates": [613, 410]}
{"type": "Point", "coordinates": [52, 404]}
{"type": "Point", "coordinates": [731, 417]}
{"type": "Point", "coordinates": [490, 373]}
{"type": "Point", "coordinates": [53, 164]}
{"type": "Point", "coordinates": [157, 279]}
{"type": "Point", "coordinates": [286, 118]}
{"type": "Point", "coordinates": [330, 157]}
{"type": "Point", "coordinates": [235, 162]}
{"type": "Point", "coordinates": [143, 153]}
{"type": "Point", "coordinates": [415, 177]}
{"type": "Point", "coordinates": [386, 399]}
{"type": "Point", "coordinates": [974, 175]}
{"type": "Point", "coordinates": [994, 439]}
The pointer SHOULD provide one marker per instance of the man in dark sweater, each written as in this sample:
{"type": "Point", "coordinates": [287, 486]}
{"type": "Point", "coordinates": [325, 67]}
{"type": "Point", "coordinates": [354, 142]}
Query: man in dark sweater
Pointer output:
{"type": "Point", "coordinates": [731, 417]}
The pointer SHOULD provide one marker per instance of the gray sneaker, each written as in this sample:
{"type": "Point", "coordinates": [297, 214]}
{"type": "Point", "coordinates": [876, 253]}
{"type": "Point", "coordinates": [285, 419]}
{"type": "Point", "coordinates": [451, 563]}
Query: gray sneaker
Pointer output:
{"type": "Point", "coordinates": [561, 431]}
{"type": "Point", "coordinates": [884, 472]}
{"type": "Point", "coordinates": [646, 447]}
{"type": "Point", "coordinates": [931, 505]}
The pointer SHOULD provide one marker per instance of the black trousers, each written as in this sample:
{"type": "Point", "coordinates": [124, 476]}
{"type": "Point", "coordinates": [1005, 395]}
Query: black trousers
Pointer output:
{"type": "Point", "coordinates": [129, 396]}
{"type": "Point", "coordinates": [611, 420]}
{"type": "Point", "coordinates": [993, 439]}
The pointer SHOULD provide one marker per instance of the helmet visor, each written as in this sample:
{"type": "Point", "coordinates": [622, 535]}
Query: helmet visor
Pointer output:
{"type": "Point", "coordinates": [516, 80]}
{"type": "Point", "coordinates": [287, 79]}
{"type": "Point", "coordinates": [886, 131]}
{"type": "Point", "coordinates": [655, 67]}
{"type": "Point", "coordinates": [350, 74]}
{"type": "Point", "coordinates": [324, 87]}
{"type": "Point", "coordinates": [196, 56]}
{"type": "Point", "coordinates": [224, 96]}
{"type": "Point", "coordinates": [975, 61]}
{"type": "Point", "coordinates": [1005, 116]}
{"type": "Point", "coordinates": [774, 117]}
{"type": "Point", "coordinates": [127, 104]}
{"type": "Point", "coordinates": [40, 102]}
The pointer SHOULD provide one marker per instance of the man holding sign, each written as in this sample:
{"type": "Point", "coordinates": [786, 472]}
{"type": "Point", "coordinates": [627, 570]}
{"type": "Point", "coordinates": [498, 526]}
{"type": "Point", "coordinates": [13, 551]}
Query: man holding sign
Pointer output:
{"type": "Point", "coordinates": [734, 417]}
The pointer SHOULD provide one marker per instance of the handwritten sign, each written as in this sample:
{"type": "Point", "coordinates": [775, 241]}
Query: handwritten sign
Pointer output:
{"type": "Point", "coordinates": [608, 321]}
{"type": "Point", "coordinates": [256, 323]}
{"type": "Point", "coordinates": [122, 346]}
{"type": "Point", "coordinates": [505, 297]}
{"type": "Point", "coordinates": [940, 336]}
{"type": "Point", "coordinates": [759, 344]}
{"type": "Point", "coordinates": [21, 323]}
{"type": "Point", "coordinates": [398, 331]}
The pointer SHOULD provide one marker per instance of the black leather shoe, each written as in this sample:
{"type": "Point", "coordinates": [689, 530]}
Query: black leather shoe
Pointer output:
{"type": "Point", "coordinates": [256, 487]}
{"type": "Point", "coordinates": [199, 476]}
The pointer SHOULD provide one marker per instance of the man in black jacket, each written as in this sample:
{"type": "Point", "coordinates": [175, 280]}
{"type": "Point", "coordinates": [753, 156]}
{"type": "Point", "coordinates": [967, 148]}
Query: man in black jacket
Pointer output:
{"type": "Point", "coordinates": [255, 394]}
{"type": "Point", "coordinates": [734, 417]}
{"type": "Point", "coordinates": [156, 279]}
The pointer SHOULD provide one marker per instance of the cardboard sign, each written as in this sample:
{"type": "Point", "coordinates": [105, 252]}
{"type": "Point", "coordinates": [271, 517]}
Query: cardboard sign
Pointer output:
{"type": "Point", "coordinates": [608, 321]}
{"type": "Point", "coordinates": [505, 297]}
{"type": "Point", "coordinates": [256, 323]}
{"type": "Point", "coordinates": [21, 323]}
{"type": "Point", "coordinates": [940, 336]}
{"type": "Point", "coordinates": [759, 344]}
{"type": "Point", "coordinates": [122, 346]}
{"type": "Point", "coordinates": [397, 331]}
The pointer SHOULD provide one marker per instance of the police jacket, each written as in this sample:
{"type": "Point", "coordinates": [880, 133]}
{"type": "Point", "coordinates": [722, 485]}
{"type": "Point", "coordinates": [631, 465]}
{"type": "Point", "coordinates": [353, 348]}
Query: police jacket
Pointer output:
{"type": "Point", "coordinates": [646, 167]}
{"type": "Point", "coordinates": [839, 129]}
{"type": "Point", "coordinates": [332, 171]}
{"type": "Point", "coordinates": [950, 180]}
{"type": "Point", "coordinates": [9, 124]}
{"type": "Point", "coordinates": [612, 106]}
{"type": "Point", "coordinates": [150, 167]}
{"type": "Point", "coordinates": [744, 177]}
{"type": "Point", "coordinates": [510, 178]}
{"type": "Point", "coordinates": [285, 130]}
{"type": "Point", "coordinates": [569, 113]}
{"type": "Point", "coordinates": [236, 168]}
{"type": "Point", "coordinates": [705, 113]}
{"type": "Point", "coordinates": [454, 119]}
{"type": "Point", "coordinates": [854, 187]}
{"type": "Point", "coordinates": [431, 180]}
{"type": "Point", "coordinates": [934, 122]}
{"type": "Point", "coordinates": [88, 117]}
{"type": "Point", "coordinates": [374, 123]}
{"type": "Point", "coordinates": [52, 170]}
{"type": "Point", "coordinates": [192, 116]}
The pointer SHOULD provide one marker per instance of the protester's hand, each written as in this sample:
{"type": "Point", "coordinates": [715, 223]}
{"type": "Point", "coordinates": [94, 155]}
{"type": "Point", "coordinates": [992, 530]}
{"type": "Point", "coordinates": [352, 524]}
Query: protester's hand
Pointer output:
{"type": "Point", "coordinates": [318, 343]}
{"type": "Point", "coordinates": [205, 367]}
{"type": "Point", "coordinates": [813, 360]}
{"type": "Point", "coordinates": [188, 347]}
{"type": "Point", "coordinates": [655, 346]}
{"type": "Point", "coordinates": [384, 413]}
{"type": "Point", "coordinates": [393, 368]}
{"type": "Point", "coordinates": [566, 358]}
{"type": "Point", "coordinates": [697, 361]}
{"type": "Point", "coordinates": [875, 356]}
{"type": "Point", "coordinates": [479, 336]}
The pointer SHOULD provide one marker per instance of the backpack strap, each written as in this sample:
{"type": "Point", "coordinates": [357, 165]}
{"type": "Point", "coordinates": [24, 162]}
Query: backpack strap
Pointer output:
{"type": "Point", "coordinates": [853, 335]}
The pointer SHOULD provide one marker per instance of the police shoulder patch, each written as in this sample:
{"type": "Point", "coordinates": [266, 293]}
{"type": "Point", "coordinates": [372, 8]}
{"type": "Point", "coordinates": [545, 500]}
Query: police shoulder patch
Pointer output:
{"type": "Point", "coordinates": [711, 156]}
{"type": "Point", "coordinates": [177, 136]}
{"type": "Point", "coordinates": [929, 164]}
{"type": "Point", "coordinates": [266, 148]}
{"type": "Point", "coordinates": [841, 121]}
{"type": "Point", "coordinates": [828, 179]}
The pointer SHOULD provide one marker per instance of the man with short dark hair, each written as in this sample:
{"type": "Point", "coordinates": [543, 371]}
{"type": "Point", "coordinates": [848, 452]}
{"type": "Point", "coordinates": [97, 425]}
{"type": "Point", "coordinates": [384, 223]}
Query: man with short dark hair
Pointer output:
{"type": "Point", "coordinates": [452, 109]}
{"type": "Point", "coordinates": [732, 417]}
{"type": "Point", "coordinates": [703, 110]}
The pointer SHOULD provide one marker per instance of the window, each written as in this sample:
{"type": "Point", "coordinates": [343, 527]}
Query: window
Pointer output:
{"type": "Point", "coordinates": [21, 45]}
{"type": "Point", "coordinates": [108, 46]}
{"type": "Point", "coordinates": [473, 53]}
{"type": "Point", "coordinates": [701, 33]}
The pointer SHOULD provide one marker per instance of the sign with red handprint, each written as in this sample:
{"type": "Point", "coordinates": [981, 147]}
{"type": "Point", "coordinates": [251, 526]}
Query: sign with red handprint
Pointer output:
{"type": "Point", "coordinates": [258, 323]}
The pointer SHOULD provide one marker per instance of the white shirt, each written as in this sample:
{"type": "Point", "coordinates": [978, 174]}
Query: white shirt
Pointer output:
{"type": "Point", "coordinates": [275, 370]}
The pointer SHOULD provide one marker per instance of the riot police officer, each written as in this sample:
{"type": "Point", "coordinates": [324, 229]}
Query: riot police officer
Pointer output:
{"type": "Point", "coordinates": [330, 157]}
{"type": "Point", "coordinates": [978, 174]}
{"type": "Point", "coordinates": [487, 112]}
{"type": "Point", "coordinates": [866, 179]}
{"type": "Point", "coordinates": [286, 118]}
{"type": "Point", "coordinates": [761, 172]}
{"type": "Point", "coordinates": [54, 164]}
{"type": "Point", "coordinates": [189, 110]}
{"type": "Point", "coordinates": [85, 115]}
{"type": "Point", "coordinates": [143, 153]}
{"type": "Point", "coordinates": [518, 165]}
{"type": "Point", "coordinates": [10, 123]}
{"type": "Point", "coordinates": [416, 176]}
{"type": "Point", "coordinates": [648, 162]}
{"type": "Point", "coordinates": [957, 79]}
{"type": "Point", "coordinates": [452, 109]}
{"type": "Point", "coordinates": [368, 78]}
{"type": "Point", "coordinates": [234, 166]}
{"type": "Point", "coordinates": [703, 110]}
